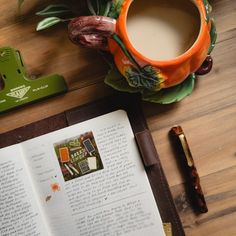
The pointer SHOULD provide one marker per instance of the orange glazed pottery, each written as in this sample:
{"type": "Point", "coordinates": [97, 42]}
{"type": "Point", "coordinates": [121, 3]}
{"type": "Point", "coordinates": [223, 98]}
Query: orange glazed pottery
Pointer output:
{"type": "Point", "coordinates": [109, 32]}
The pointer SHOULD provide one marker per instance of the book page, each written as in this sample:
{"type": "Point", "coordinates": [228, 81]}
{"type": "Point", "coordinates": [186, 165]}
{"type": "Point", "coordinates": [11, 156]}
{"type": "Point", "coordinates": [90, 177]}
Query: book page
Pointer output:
{"type": "Point", "coordinates": [19, 212]}
{"type": "Point", "coordinates": [91, 181]}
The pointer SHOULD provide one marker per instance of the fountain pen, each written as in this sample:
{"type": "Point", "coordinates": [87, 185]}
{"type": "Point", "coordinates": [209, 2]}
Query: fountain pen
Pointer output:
{"type": "Point", "coordinates": [190, 169]}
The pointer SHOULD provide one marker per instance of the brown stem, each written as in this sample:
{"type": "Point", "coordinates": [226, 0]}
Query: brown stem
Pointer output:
{"type": "Point", "coordinates": [91, 31]}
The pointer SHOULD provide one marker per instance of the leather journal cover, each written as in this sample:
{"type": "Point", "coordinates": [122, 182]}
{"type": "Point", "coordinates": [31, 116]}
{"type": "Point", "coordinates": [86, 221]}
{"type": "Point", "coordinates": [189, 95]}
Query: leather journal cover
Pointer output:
{"type": "Point", "coordinates": [143, 137]}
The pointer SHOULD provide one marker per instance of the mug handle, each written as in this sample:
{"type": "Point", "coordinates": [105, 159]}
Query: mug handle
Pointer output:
{"type": "Point", "coordinates": [92, 31]}
{"type": "Point", "coordinates": [206, 66]}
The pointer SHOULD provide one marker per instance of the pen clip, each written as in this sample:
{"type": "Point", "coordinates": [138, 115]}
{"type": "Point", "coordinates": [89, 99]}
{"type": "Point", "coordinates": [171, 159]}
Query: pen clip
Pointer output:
{"type": "Point", "coordinates": [186, 150]}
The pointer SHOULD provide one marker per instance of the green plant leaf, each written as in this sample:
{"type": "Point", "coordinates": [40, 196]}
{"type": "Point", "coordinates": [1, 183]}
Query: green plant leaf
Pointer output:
{"type": "Point", "coordinates": [115, 8]}
{"type": "Point", "coordinates": [54, 10]}
{"type": "Point", "coordinates": [20, 2]}
{"type": "Point", "coordinates": [107, 8]}
{"type": "Point", "coordinates": [171, 95]}
{"type": "Point", "coordinates": [48, 22]}
{"type": "Point", "coordinates": [104, 7]}
{"type": "Point", "coordinates": [99, 7]}
{"type": "Point", "coordinates": [91, 7]}
{"type": "Point", "coordinates": [118, 81]}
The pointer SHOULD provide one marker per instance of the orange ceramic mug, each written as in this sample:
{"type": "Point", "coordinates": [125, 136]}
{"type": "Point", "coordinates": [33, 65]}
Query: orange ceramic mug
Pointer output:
{"type": "Point", "coordinates": [140, 70]}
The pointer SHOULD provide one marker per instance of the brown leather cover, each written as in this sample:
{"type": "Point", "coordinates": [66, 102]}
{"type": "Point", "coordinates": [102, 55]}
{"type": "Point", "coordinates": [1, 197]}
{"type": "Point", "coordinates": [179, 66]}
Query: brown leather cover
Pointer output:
{"type": "Point", "coordinates": [144, 140]}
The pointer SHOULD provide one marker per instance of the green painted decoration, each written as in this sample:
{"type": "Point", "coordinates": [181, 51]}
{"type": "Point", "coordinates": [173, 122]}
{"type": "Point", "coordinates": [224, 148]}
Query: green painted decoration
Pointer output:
{"type": "Point", "coordinates": [147, 77]}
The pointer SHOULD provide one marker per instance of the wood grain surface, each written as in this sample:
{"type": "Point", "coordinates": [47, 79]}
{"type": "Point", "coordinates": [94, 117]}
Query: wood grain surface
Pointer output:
{"type": "Point", "coordinates": [208, 116]}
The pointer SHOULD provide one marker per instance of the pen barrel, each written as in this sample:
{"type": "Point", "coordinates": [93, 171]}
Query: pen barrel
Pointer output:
{"type": "Point", "coordinates": [196, 189]}
{"type": "Point", "coordinates": [192, 176]}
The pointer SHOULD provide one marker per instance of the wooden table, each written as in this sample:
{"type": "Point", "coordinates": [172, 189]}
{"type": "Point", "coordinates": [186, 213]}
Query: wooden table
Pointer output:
{"type": "Point", "coordinates": [208, 116]}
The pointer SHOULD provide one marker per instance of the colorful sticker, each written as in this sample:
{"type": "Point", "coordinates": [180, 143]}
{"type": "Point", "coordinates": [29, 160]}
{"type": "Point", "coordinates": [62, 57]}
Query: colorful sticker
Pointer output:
{"type": "Point", "coordinates": [78, 156]}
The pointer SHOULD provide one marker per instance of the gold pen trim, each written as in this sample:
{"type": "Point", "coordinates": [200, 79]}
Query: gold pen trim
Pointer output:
{"type": "Point", "coordinates": [186, 150]}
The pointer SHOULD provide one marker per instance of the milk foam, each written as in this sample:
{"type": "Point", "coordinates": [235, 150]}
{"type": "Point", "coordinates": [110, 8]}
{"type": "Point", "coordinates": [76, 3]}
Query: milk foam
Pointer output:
{"type": "Point", "coordinates": [163, 29]}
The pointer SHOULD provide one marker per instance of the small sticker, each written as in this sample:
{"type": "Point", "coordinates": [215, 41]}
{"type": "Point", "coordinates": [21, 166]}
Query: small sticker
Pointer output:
{"type": "Point", "coordinates": [55, 187]}
{"type": "Point", "coordinates": [64, 154]}
{"type": "Point", "coordinates": [78, 156]}
{"type": "Point", "coordinates": [92, 163]}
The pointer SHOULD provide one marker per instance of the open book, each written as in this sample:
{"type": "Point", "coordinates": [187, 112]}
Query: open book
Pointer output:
{"type": "Point", "coordinates": [86, 179]}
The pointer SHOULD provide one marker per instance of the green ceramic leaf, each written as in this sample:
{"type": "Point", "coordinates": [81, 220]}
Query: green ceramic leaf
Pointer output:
{"type": "Point", "coordinates": [119, 41]}
{"type": "Point", "coordinates": [48, 22]}
{"type": "Point", "coordinates": [118, 82]}
{"type": "Point", "coordinates": [213, 35]}
{"type": "Point", "coordinates": [208, 9]}
{"type": "Point", "coordinates": [54, 10]}
{"type": "Point", "coordinates": [164, 96]}
{"type": "Point", "coordinates": [146, 77]}
{"type": "Point", "coordinates": [171, 95]}
{"type": "Point", "coordinates": [213, 32]}
{"type": "Point", "coordinates": [137, 76]}
{"type": "Point", "coordinates": [115, 8]}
